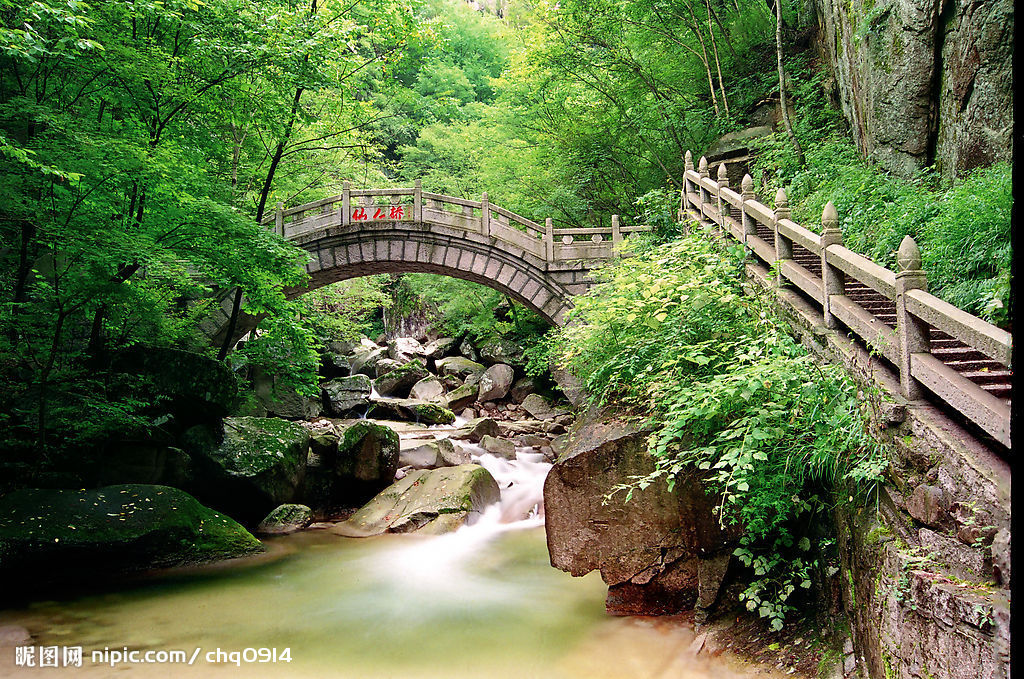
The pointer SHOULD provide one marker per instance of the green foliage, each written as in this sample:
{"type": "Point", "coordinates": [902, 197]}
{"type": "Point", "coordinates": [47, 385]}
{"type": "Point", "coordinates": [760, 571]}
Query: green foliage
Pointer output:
{"type": "Point", "coordinates": [963, 228]}
{"type": "Point", "coordinates": [731, 395]}
{"type": "Point", "coordinates": [345, 311]}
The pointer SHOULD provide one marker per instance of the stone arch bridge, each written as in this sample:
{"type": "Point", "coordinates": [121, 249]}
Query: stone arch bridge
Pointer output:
{"type": "Point", "coordinates": [373, 231]}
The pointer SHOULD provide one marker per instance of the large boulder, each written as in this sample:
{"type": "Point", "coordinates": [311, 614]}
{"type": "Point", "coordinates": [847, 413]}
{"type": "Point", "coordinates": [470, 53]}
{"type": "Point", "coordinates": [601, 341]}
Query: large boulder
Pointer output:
{"type": "Point", "coordinates": [142, 462]}
{"type": "Point", "coordinates": [335, 364]}
{"type": "Point", "coordinates": [427, 389]}
{"type": "Point", "coordinates": [344, 394]}
{"type": "Point", "coordinates": [501, 351]}
{"type": "Point", "coordinates": [440, 347]}
{"type": "Point", "coordinates": [460, 367]}
{"type": "Point", "coordinates": [255, 466]}
{"type": "Point", "coordinates": [432, 501]}
{"type": "Point", "coordinates": [280, 400]}
{"type": "Point", "coordinates": [404, 349]}
{"type": "Point", "coordinates": [541, 408]}
{"type": "Point", "coordinates": [495, 382]}
{"type": "Point", "coordinates": [364, 360]}
{"type": "Point", "coordinates": [399, 381]}
{"type": "Point", "coordinates": [433, 454]}
{"type": "Point", "coordinates": [48, 534]}
{"type": "Point", "coordinates": [474, 430]}
{"type": "Point", "coordinates": [285, 519]}
{"type": "Point", "coordinates": [651, 549]}
{"type": "Point", "coordinates": [461, 396]}
{"type": "Point", "coordinates": [366, 462]}
{"type": "Point", "coordinates": [198, 388]}
{"type": "Point", "coordinates": [522, 388]}
{"type": "Point", "coordinates": [410, 410]}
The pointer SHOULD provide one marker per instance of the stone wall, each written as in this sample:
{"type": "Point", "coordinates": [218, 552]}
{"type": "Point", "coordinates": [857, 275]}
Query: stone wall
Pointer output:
{"type": "Point", "coordinates": [923, 81]}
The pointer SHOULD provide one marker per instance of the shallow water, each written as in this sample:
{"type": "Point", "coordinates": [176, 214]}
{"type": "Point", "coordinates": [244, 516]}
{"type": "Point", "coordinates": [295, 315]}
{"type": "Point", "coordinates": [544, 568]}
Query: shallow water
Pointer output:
{"type": "Point", "coordinates": [480, 603]}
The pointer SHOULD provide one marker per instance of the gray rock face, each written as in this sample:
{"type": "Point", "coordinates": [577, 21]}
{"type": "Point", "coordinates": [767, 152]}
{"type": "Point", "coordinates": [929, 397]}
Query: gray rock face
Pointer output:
{"type": "Point", "coordinates": [649, 549]}
{"type": "Point", "coordinates": [410, 410]}
{"type": "Point", "coordinates": [459, 366]}
{"type": "Point", "coordinates": [501, 447]}
{"type": "Point", "coordinates": [467, 350]}
{"type": "Point", "coordinates": [462, 396]}
{"type": "Point", "coordinates": [929, 505]}
{"type": "Point", "coordinates": [439, 348]}
{"type": "Point", "coordinates": [429, 501]}
{"type": "Point", "coordinates": [918, 87]}
{"type": "Point", "coordinates": [113, 529]}
{"type": "Point", "coordinates": [256, 466]}
{"type": "Point", "coordinates": [399, 382]}
{"type": "Point", "coordinates": [433, 454]}
{"type": "Point", "coordinates": [501, 351]}
{"type": "Point", "coordinates": [404, 349]}
{"type": "Point", "coordinates": [427, 389]}
{"type": "Point", "coordinates": [495, 382]}
{"type": "Point", "coordinates": [476, 429]}
{"type": "Point", "coordinates": [364, 360]}
{"type": "Point", "coordinates": [522, 388]}
{"type": "Point", "coordinates": [343, 394]}
{"type": "Point", "coordinates": [285, 519]}
{"type": "Point", "coordinates": [334, 364]}
{"type": "Point", "coordinates": [542, 409]}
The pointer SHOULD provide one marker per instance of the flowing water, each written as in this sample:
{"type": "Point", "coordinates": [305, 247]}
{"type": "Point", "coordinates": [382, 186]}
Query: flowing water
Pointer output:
{"type": "Point", "coordinates": [480, 603]}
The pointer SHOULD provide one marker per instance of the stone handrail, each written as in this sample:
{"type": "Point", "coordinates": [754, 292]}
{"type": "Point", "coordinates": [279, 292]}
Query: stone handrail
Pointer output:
{"type": "Point", "coordinates": [906, 343]}
{"type": "Point", "coordinates": [355, 207]}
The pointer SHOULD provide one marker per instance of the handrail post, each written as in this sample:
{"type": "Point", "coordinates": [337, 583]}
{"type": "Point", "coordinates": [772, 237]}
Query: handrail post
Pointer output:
{"type": "Point", "coordinates": [702, 194]}
{"type": "Point", "coordinates": [346, 203]}
{"type": "Point", "coordinates": [749, 225]}
{"type": "Point", "coordinates": [912, 334]}
{"type": "Point", "coordinates": [684, 202]}
{"type": "Point", "coordinates": [279, 219]}
{"type": "Point", "coordinates": [723, 182]}
{"type": "Point", "coordinates": [783, 246]}
{"type": "Point", "coordinates": [833, 280]}
{"type": "Point", "coordinates": [485, 216]}
{"type": "Point", "coordinates": [616, 234]}
{"type": "Point", "coordinates": [549, 240]}
{"type": "Point", "coordinates": [417, 201]}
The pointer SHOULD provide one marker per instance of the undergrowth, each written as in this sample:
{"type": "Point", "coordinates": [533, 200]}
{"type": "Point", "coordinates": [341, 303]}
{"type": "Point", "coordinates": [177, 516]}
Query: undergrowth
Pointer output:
{"type": "Point", "coordinates": [670, 334]}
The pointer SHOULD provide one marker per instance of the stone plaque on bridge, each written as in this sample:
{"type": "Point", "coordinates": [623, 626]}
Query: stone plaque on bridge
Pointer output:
{"type": "Point", "coordinates": [382, 213]}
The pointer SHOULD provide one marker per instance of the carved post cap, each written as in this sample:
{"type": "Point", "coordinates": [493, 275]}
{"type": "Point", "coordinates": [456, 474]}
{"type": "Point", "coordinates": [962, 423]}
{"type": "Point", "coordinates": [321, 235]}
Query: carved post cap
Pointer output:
{"type": "Point", "coordinates": [483, 198]}
{"type": "Point", "coordinates": [908, 257]}
{"type": "Point", "coordinates": [747, 185]}
{"type": "Point", "coordinates": [723, 174]}
{"type": "Point", "coordinates": [781, 201]}
{"type": "Point", "coordinates": [615, 220]}
{"type": "Point", "coordinates": [346, 185]}
{"type": "Point", "coordinates": [702, 166]}
{"type": "Point", "coordinates": [549, 223]}
{"type": "Point", "coordinates": [280, 205]}
{"type": "Point", "coordinates": [830, 217]}
{"type": "Point", "coordinates": [418, 183]}
{"type": "Point", "coordinates": [688, 160]}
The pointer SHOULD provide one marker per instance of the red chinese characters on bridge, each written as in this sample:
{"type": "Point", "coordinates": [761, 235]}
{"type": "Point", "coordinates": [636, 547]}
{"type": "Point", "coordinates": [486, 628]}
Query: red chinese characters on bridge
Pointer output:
{"type": "Point", "coordinates": [384, 213]}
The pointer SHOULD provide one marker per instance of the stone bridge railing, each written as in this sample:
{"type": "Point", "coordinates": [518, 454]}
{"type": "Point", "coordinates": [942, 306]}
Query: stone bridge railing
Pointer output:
{"type": "Point", "coordinates": [359, 206]}
{"type": "Point", "coordinates": [937, 349]}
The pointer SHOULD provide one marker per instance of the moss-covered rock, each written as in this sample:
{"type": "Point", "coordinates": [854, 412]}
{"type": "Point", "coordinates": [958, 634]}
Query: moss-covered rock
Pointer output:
{"type": "Point", "coordinates": [410, 410]}
{"type": "Point", "coordinates": [366, 462]}
{"type": "Point", "coordinates": [399, 381]}
{"type": "Point", "coordinates": [434, 500]}
{"type": "Point", "coordinates": [285, 519]}
{"type": "Point", "coordinates": [459, 366]}
{"type": "Point", "coordinates": [114, 529]}
{"type": "Point", "coordinates": [256, 466]}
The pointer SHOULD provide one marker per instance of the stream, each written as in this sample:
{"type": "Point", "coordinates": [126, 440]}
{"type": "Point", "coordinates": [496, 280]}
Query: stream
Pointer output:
{"type": "Point", "coordinates": [480, 603]}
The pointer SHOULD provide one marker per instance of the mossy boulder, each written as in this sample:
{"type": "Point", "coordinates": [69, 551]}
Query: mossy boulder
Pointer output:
{"type": "Point", "coordinates": [257, 465]}
{"type": "Point", "coordinates": [432, 454]}
{"type": "Point", "coordinates": [46, 534]}
{"type": "Point", "coordinates": [197, 387]}
{"type": "Point", "coordinates": [285, 519]}
{"type": "Point", "coordinates": [460, 367]}
{"type": "Point", "coordinates": [428, 500]}
{"type": "Point", "coordinates": [399, 381]}
{"type": "Point", "coordinates": [462, 396]}
{"type": "Point", "coordinates": [410, 410]}
{"type": "Point", "coordinates": [476, 429]}
{"type": "Point", "coordinates": [361, 463]}
{"type": "Point", "coordinates": [501, 351]}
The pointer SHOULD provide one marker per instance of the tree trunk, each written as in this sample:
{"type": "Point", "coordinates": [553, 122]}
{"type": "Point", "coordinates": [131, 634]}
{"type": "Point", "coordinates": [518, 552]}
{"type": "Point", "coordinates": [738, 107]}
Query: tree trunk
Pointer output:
{"type": "Point", "coordinates": [786, 123]}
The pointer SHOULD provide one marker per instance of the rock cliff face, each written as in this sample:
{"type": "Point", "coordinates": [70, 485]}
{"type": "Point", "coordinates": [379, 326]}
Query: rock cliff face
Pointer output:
{"type": "Point", "coordinates": [923, 81]}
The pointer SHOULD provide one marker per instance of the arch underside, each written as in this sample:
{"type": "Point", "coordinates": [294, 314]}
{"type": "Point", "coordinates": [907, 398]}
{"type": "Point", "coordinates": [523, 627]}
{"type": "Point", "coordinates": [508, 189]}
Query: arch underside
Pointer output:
{"type": "Point", "coordinates": [508, 270]}
{"type": "Point", "coordinates": [339, 254]}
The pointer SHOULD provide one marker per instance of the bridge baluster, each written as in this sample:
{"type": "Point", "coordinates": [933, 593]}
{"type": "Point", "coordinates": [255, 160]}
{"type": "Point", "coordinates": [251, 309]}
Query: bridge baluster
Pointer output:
{"type": "Point", "coordinates": [702, 193]}
{"type": "Point", "coordinates": [749, 225]}
{"type": "Point", "coordinates": [417, 201]}
{"type": "Point", "coordinates": [279, 219]}
{"type": "Point", "coordinates": [549, 239]}
{"type": "Point", "coordinates": [616, 234]}
{"type": "Point", "coordinates": [833, 280]}
{"type": "Point", "coordinates": [723, 182]}
{"type": "Point", "coordinates": [346, 203]}
{"type": "Point", "coordinates": [485, 216]}
{"type": "Point", "coordinates": [783, 246]}
{"type": "Point", "coordinates": [913, 334]}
